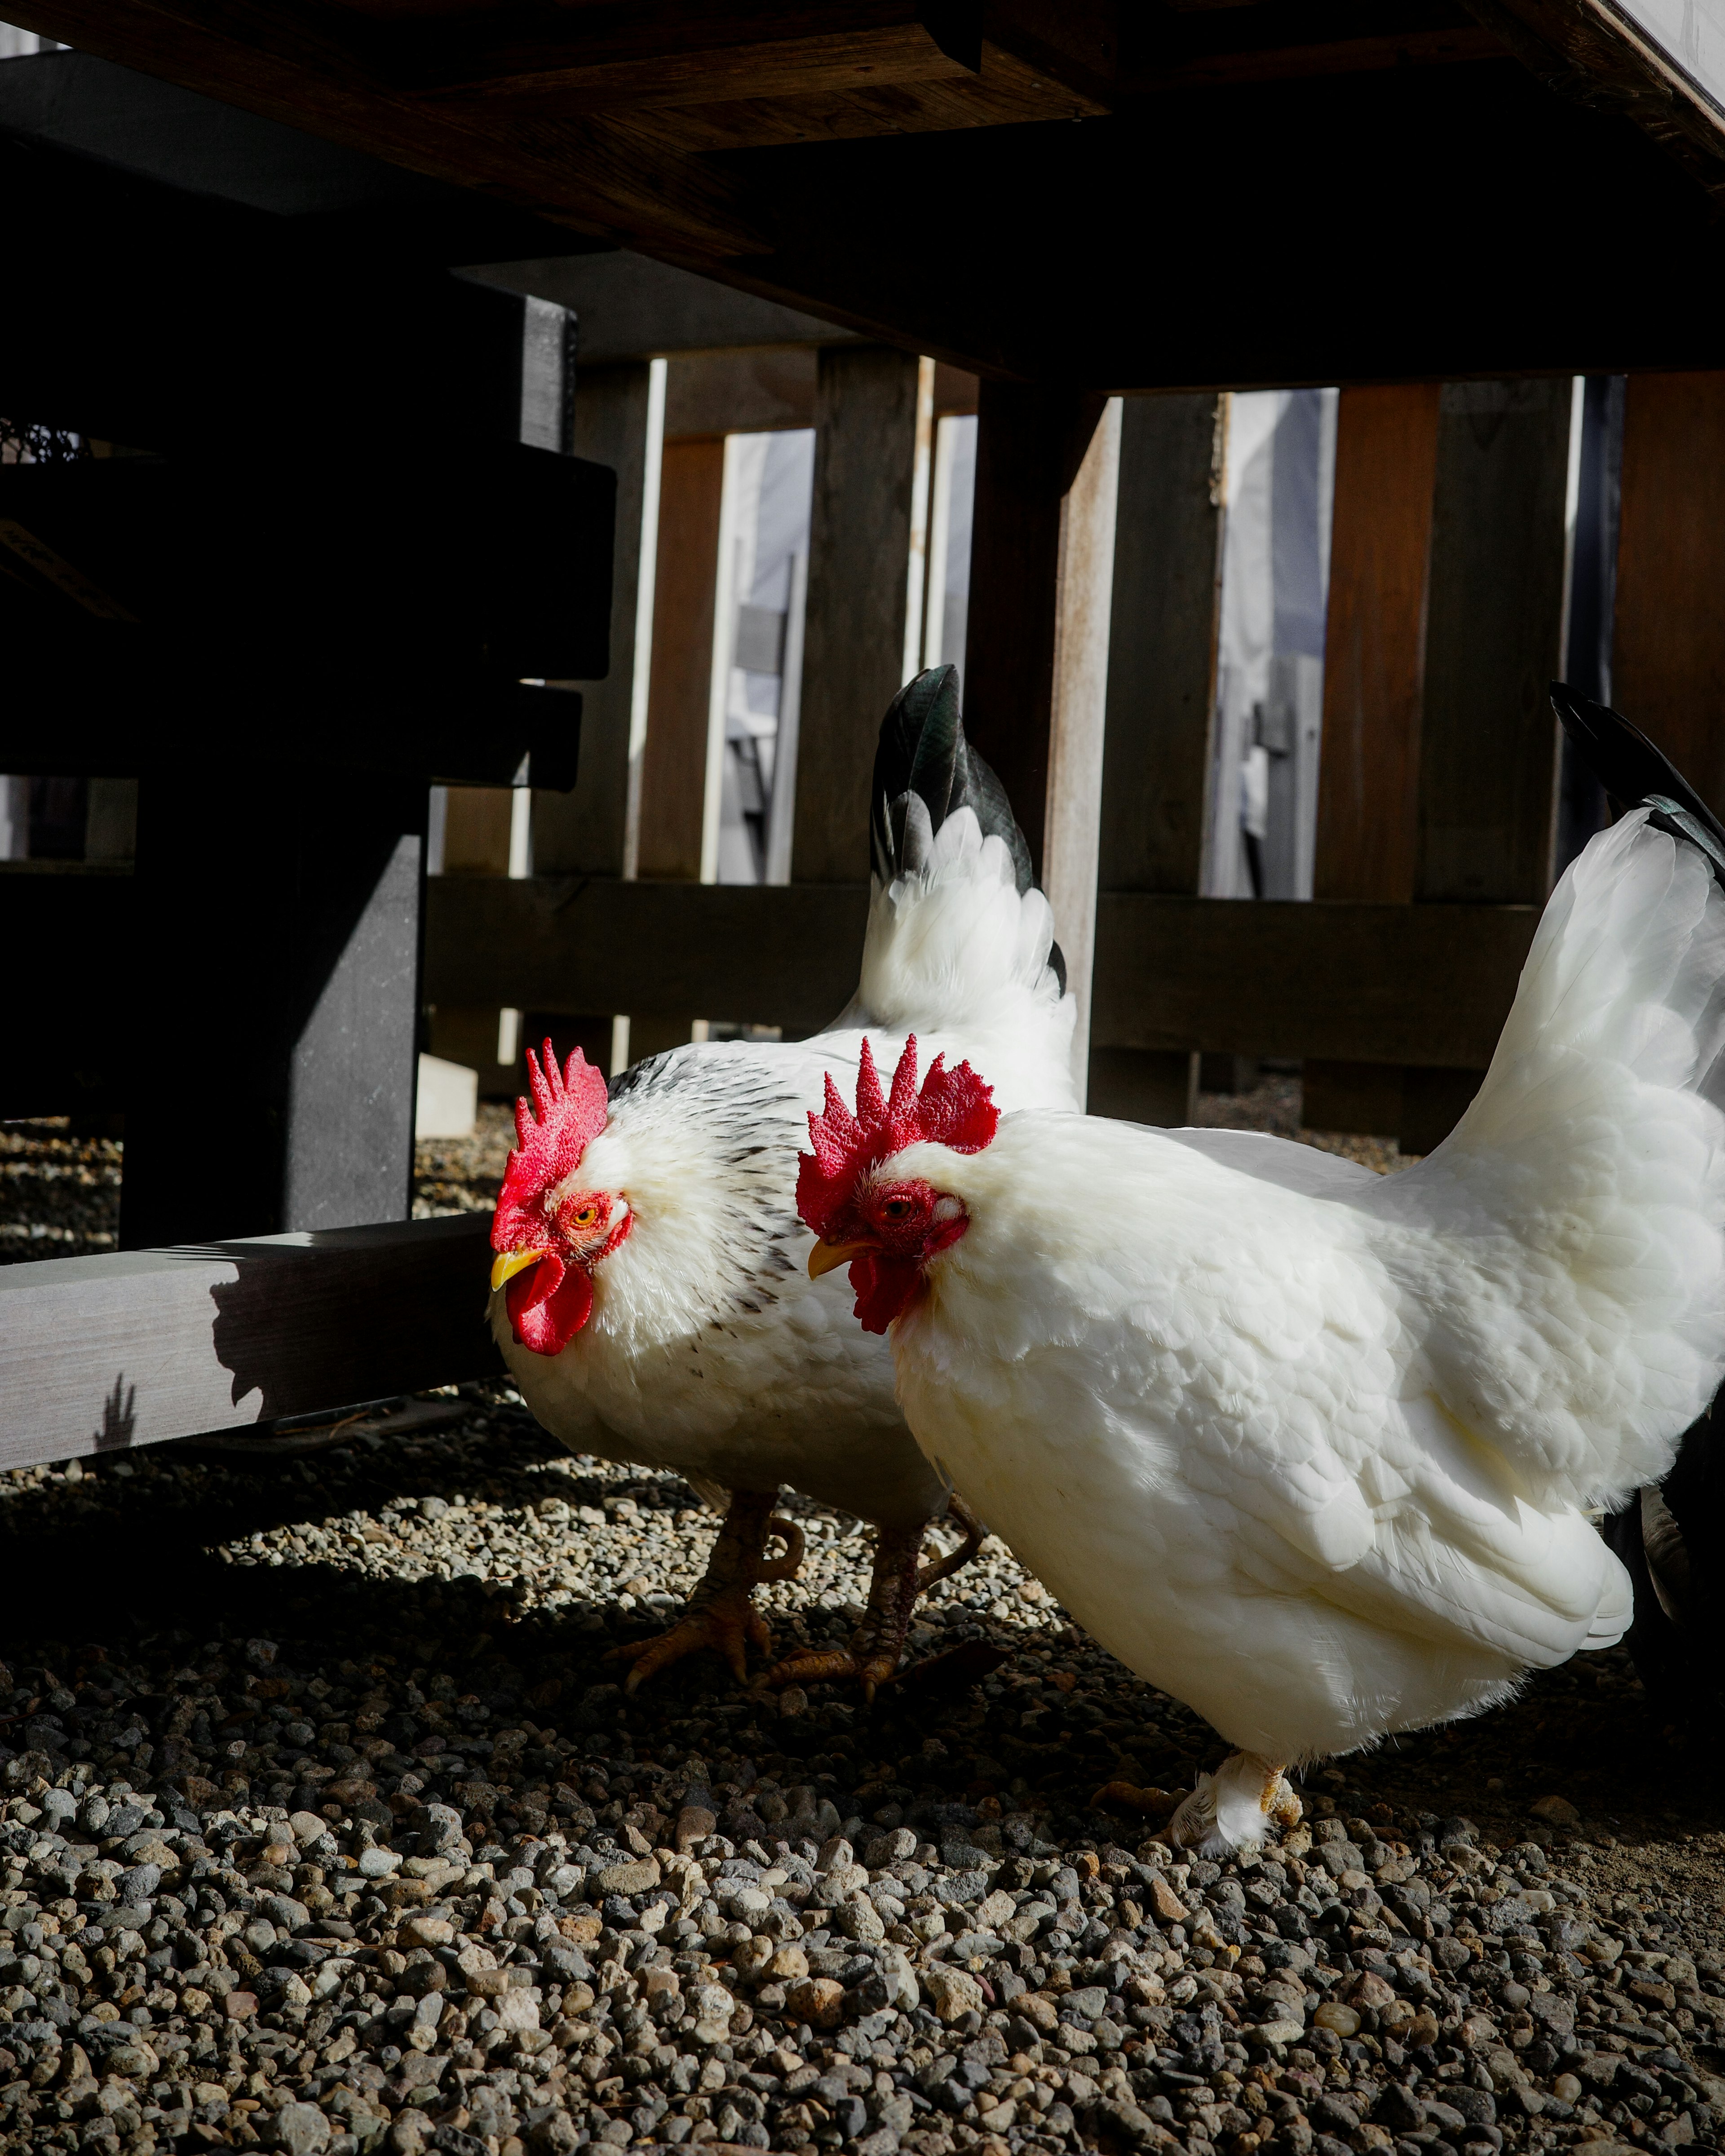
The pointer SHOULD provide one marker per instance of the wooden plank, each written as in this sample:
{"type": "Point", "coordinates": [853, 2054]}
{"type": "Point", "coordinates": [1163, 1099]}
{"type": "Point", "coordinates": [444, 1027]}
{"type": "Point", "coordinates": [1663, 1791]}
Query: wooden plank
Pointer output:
{"type": "Point", "coordinates": [1668, 656]}
{"type": "Point", "coordinates": [1374, 642]}
{"type": "Point", "coordinates": [104, 1354]}
{"type": "Point", "coordinates": [597, 59]}
{"type": "Point", "coordinates": [1030, 443]}
{"type": "Point", "coordinates": [847, 236]}
{"type": "Point", "coordinates": [739, 393]}
{"type": "Point", "coordinates": [1488, 741]}
{"type": "Point", "coordinates": [1388, 984]}
{"type": "Point", "coordinates": [768, 955]}
{"type": "Point", "coordinates": [1374, 674]}
{"type": "Point", "coordinates": [585, 829]}
{"type": "Point", "coordinates": [1162, 667]}
{"type": "Point", "coordinates": [1420, 984]}
{"type": "Point", "coordinates": [673, 761]}
{"type": "Point", "coordinates": [859, 565]}
{"type": "Point", "coordinates": [280, 914]}
{"type": "Point", "coordinates": [1663, 66]}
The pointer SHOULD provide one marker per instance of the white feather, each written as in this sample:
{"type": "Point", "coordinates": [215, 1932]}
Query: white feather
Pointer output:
{"type": "Point", "coordinates": [709, 1351]}
{"type": "Point", "coordinates": [1311, 1449]}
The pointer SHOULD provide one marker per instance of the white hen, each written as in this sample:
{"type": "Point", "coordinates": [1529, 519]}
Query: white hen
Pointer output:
{"type": "Point", "coordinates": [657, 1307]}
{"type": "Point", "coordinates": [1318, 1459]}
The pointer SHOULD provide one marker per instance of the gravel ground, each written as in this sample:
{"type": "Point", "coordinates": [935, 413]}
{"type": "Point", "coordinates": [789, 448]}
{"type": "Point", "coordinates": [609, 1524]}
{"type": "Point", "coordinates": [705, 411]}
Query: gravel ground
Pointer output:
{"type": "Point", "coordinates": [328, 1828]}
{"type": "Point", "coordinates": [60, 1195]}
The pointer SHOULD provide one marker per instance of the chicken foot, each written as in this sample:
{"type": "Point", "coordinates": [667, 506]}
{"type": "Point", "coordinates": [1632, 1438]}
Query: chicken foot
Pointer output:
{"type": "Point", "coordinates": [898, 1582]}
{"type": "Point", "coordinates": [721, 1613]}
{"type": "Point", "coordinates": [1225, 1811]}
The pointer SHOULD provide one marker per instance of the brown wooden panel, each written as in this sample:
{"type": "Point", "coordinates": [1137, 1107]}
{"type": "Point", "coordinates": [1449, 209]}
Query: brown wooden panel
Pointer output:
{"type": "Point", "coordinates": [102, 1354]}
{"type": "Point", "coordinates": [1425, 984]}
{"type": "Point", "coordinates": [1488, 737]}
{"type": "Point", "coordinates": [674, 761]}
{"type": "Point", "coordinates": [662, 55]}
{"type": "Point", "coordinates": [1374, 669]}
{"type": "Point", "coordinates": [859, 564]}
{"type": "Point", "coordinates": [759, 954]}
{"type": "Point", "coordinates": [1668, 657]}
{"type": "Point", "coordinates": [1374, 643]}
{"type": "Point", "coordinates": [737, 393]}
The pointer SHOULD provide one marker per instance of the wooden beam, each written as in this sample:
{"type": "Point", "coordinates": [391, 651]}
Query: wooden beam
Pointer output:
{"type": "Point", "coordinates": [1668, 655]}
{"type": "Point", "coordinates": [104, 1354]}
{"type": "Point", "coordinates": [1374, 642]}
{"type": "Point", "coordinates": [674, 765]}
{"type": "Point", "coordinates": [740, 393]}
{"type": "Point", "coordinates": [1030, 443]}
{"type": "Point", "coordinates": [1162, 674]}
{"type": "Point", "coordinates": [1425, 984]}
{"type": "Point", "coordinates": [278, 916]}
{"type": "Point", "coordinates": [1380, 984]}
{"type": "Point", "coordinates": [1488, 739]}
{"type": "Point", "coordinates": [859, 564]}
{"type": "Point", "coordinates": [584, 830]}
{"type": "Point", "coordinates": [663, 54]}
{"type": "Point", "coordinates": [768, 955]}
{"type": "Point", "coordinates": [1374, 674]}
{"type": "Point", "coordinates": [1623, 54]}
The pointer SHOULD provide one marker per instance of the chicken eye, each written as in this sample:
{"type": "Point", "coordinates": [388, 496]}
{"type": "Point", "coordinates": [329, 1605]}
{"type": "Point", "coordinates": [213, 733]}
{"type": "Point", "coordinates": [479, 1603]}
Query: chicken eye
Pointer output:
{"type": "Point", "coordinates": [585, 1216]}
{"type": "Point", "coordinates": [897, 1208]}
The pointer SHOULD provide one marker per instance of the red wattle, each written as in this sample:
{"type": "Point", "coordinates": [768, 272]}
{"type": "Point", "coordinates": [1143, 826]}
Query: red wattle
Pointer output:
{"type": "Point", "coordinates": [883, 1286]}
{"type": "Point", "coordinates": [548, 1304]}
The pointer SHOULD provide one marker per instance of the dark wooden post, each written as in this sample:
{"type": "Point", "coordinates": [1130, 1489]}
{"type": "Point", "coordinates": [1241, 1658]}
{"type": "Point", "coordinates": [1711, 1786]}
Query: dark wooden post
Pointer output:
{"type": "Point", "coordinates": [1162, 667]}
{"type": "Point", "coordinates": [1030, 443]}
{"type": "Point", "coordinates": [279, 915]}
{"type": "Point", "coordinates": [1668, 655]}
{"type": "Point", "coordinates": [865, 418]}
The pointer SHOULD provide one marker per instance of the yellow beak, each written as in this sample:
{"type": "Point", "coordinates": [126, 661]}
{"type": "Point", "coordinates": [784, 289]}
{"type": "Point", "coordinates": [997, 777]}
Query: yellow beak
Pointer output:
{"type": "Point", "coordinates": [511, 1263]}
{"type": "Point", "coordinates": [828, 1257]}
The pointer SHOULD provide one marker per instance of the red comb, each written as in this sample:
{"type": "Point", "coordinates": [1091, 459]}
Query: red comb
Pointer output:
{"type": "Point", "coordinates": [567, 1112]}
{"type": "Point", "coordinates": [955, 1108]}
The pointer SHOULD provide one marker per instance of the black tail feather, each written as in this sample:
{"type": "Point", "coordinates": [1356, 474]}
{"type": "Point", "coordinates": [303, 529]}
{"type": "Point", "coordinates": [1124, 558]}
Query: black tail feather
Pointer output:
{"type": "Point", "coordinates": [1637, 774]}
{"type": "Point", "coordinates": [922, 751]}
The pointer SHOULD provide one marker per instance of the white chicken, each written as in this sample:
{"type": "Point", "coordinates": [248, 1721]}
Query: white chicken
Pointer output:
{"type": "Point", "coordinates": [1312, 1449]}
{"type": "Point", "coordinates": [649, 1294]}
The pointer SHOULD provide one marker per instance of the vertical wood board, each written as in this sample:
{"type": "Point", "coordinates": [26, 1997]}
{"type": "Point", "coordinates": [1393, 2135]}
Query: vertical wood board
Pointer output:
{"type": "Point", "coordinates": [1374, 642]}
{"type": "Point", "coordinates": [1030, 443]}
{"type": "Point", "coordinates": [853, 632]}
{"type": "Point", "coordinates": [583, 832]}
{"type": "Point", "coordinates": [1668, 657]}
{"type": "Point", "coordinates": [1494, 626]}
{"type": "Point", "coordinates": [674, 766]}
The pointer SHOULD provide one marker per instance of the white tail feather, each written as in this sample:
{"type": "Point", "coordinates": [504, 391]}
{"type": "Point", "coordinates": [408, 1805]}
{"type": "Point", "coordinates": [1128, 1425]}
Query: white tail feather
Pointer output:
{"type": "Point", "coordinates": [954, 948]}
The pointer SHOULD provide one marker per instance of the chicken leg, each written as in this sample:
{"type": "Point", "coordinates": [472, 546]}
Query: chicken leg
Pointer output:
{"type": "Point", "coordinates": [897, 1582]}
{"type": "Point", "coordinates": [721, 1613]}
{"type": "Point", "coordinates": [1225, 1811]}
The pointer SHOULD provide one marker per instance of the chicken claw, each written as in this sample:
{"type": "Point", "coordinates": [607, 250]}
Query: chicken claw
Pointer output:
{"type": "Point", "coordinates": [1128, 1797]}
{"type": "Point", "coordinates": [1229, 1810]}
{"type": "Point", "coordinates": [896, 1585]}
{"type": "Point", "coordinates": [720, 1615]}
